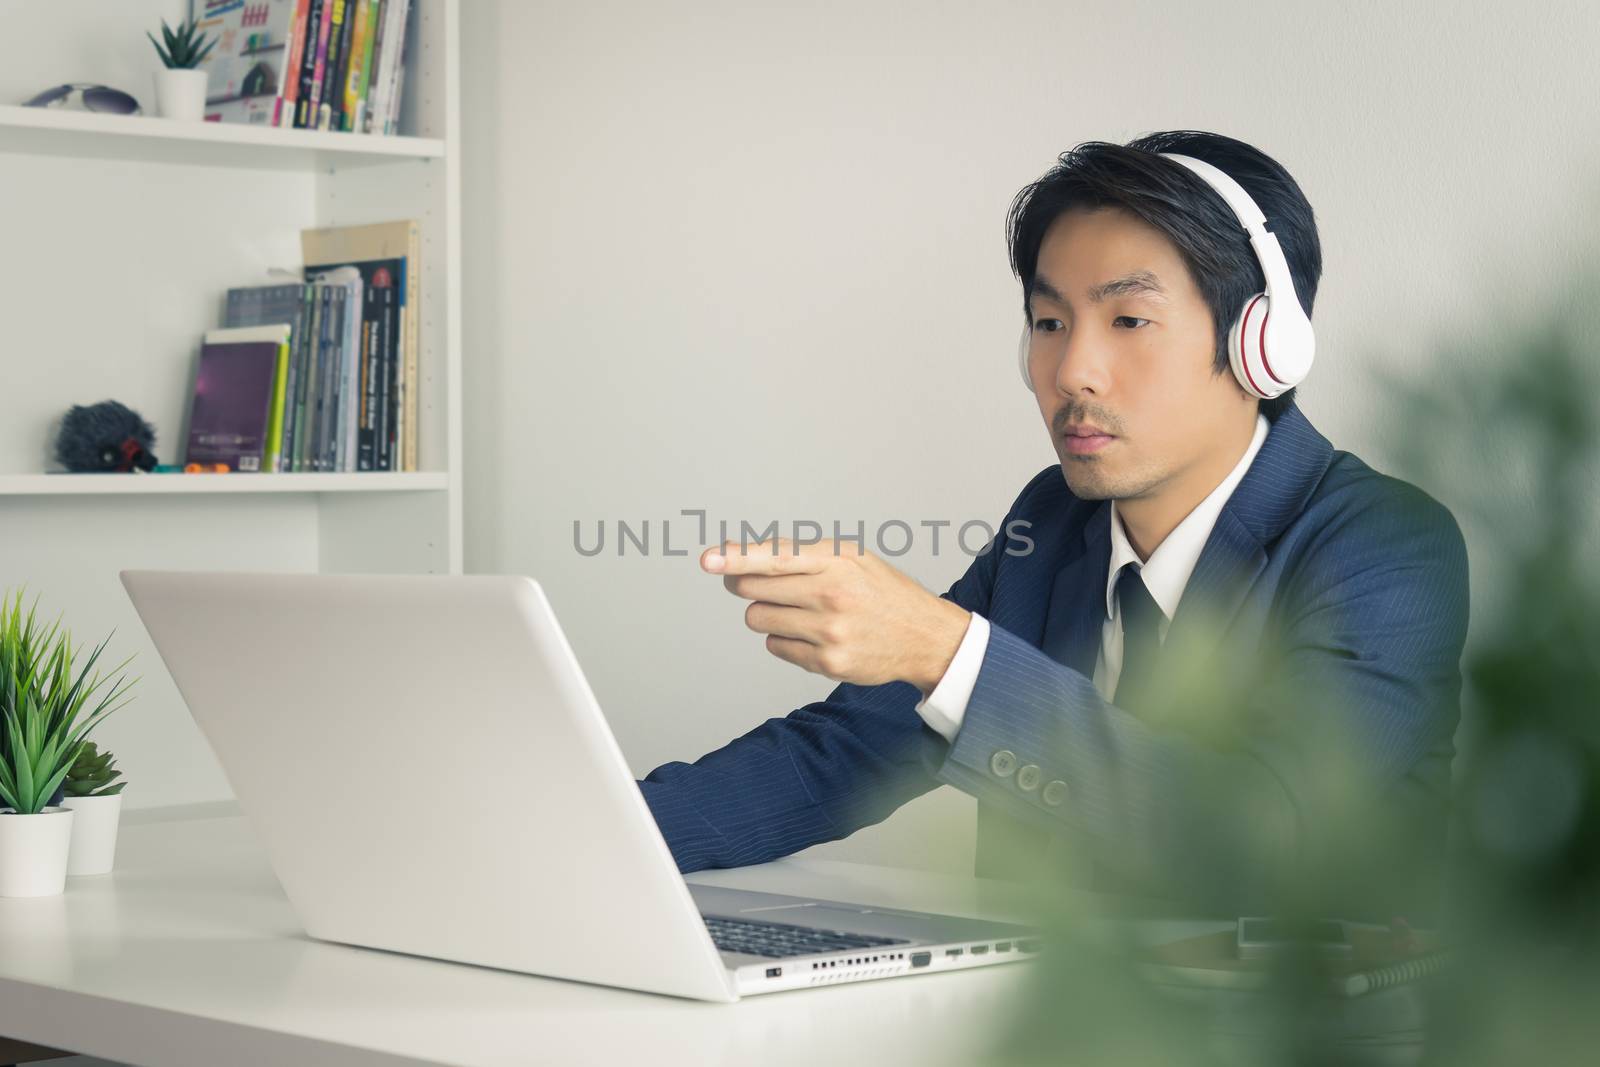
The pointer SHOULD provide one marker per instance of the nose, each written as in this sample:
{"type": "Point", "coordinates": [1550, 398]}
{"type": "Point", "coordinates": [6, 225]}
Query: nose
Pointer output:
{"type": "Point", "coordinates": [1080, 362]}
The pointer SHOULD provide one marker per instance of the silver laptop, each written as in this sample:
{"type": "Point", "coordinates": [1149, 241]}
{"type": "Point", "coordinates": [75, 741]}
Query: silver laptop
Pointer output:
{"type": "Point", "coordinates": [431, 774]}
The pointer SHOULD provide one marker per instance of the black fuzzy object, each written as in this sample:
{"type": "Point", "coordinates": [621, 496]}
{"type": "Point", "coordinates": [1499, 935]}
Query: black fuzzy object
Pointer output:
{"type": "Point", "coordinates": [105, 437]}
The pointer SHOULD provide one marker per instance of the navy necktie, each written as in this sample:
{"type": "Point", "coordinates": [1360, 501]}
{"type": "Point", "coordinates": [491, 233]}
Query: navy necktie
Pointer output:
{"type": "Point", "coordinates": [1141, 639]}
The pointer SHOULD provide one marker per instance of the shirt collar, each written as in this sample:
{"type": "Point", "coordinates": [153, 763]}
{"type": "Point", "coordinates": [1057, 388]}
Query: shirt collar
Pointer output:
{"type": "Point", "coordinates": [1167, 570]}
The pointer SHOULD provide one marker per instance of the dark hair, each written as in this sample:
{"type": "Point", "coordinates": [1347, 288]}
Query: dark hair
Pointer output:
{"type": "Point", "coordinates": [1181, 205]}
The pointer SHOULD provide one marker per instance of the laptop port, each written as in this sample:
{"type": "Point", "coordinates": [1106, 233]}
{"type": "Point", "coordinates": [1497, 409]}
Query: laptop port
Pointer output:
{"type": "Point", "coordinates": [1002, 946]}
{"type": "Point", "coordinates": [954, 951]}
{"type": "Point", "coordinates": [921, 959]}
{"type": "Point", "coordinates": [773, 972]}
{"type": "Point", "coordinates": [979, 950]}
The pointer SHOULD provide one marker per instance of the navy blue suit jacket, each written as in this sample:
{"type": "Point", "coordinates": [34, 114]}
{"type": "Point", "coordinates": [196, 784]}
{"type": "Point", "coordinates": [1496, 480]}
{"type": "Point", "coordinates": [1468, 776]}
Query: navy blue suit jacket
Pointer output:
{"type": "Point", "coordinates": [1330, 608]}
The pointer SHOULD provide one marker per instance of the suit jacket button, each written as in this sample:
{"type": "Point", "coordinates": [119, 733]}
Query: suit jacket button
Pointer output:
{"type": "Point", "coordinates": [1028, 777]}
{"type": "Point", "coordinates": [1002, 763]}
{"type": "Point", "coordinates": [1055, 793]}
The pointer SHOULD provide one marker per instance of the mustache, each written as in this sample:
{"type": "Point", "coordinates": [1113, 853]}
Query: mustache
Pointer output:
{"type": "Point", "coordinates": [1077, 411]}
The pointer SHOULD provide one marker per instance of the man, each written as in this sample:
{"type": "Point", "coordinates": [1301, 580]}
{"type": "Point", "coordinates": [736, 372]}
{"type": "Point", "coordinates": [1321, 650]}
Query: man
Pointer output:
{"type": "Point", "coordinates": [1290, 621]}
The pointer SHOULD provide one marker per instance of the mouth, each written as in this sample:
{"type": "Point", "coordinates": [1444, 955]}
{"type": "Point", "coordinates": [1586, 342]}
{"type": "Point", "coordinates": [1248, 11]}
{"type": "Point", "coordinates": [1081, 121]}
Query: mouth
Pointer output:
{"type": "Point", "coordinates": [1084, 439]}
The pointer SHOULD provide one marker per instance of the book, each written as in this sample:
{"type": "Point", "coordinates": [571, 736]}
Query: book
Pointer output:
{"type": "Point", "coordinates": [309, 443]}
{"type": "Point", "coordinates": [312, 97]}
{"type": "Point", "coordinates": [369, 91]}
{"type": "Point", "coordinates": [397, 77]}
{"type": "Point", "coordinates": [248, 69]}
{"type": "Point", "coordinates": [385, 104]}
{"type": "Point", "coordinates": [344, 372]}
{"type": "Point", "coordinates": [388, 256]}
{"type": "Point", "coordinates": [327, 399]}
{"type": "Point", "coordinates": [288, 97]}
{"type": "Point", "coordinates": [236, 411]}
{"type": "Point", "coordinates": [264, 305]}
{"type": "Point", "coordinates": [305, 367]}
{"type": "Point", "coordinates": [356, 69]}
{"type": "Point", "coordinates": [308, 62]}
{"type": "Point", "coordinates": [332, 105]}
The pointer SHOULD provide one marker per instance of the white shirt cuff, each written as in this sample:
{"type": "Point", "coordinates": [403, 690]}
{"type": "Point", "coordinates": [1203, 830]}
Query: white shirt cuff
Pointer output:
{"type": "Point", "coordinates": [945, 707]}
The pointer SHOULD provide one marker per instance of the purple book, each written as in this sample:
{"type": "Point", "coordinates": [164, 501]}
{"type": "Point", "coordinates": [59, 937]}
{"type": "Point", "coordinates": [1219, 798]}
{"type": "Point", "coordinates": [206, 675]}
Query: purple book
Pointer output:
{"type": "Point", "coordinates": [231, 410]}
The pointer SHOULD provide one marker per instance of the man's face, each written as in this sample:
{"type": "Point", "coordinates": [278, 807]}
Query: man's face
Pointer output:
{"type": "Point", "coordinates": [1132, 358]}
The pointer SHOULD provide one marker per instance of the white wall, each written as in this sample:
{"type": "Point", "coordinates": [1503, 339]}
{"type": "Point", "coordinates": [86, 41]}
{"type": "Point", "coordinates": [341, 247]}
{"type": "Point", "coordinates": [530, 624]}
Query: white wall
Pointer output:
{"type": "Point", "coordinates": [750, 258]}
{"type": "Point", "coordinates": [752, 261]}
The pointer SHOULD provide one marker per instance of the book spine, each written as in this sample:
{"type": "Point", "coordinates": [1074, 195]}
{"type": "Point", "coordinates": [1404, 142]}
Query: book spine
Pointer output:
{"type": "Point", "coordinates": [289, 77]}
{"type": "Point", "coordinates": [351, 426]}
{"type": "Point", "coordinates": [355, 316]}
{"type": "Point", "coordinates": [366, 455]}
{"type": "Point", "coordinates": [271, 461]}
{"type": "Point", "coordinates": [317, 27]}
{"type": "Point", "coordinates": [327, 444]}
{"type": "Point", "coordinates": [369, 92]}
{"type": "Point", "coordinates": [380, 414]}
{"type": "Point", "coordinates": [303, 390]}
{"type": "Point", "coordinates": [338, 52]}
{"type": "Point", "coordinates": [315, 399]}
{"type": "Point", "coordinates": [351, 86]}
{"type": "Point", "coordinates": [297, 348]}
{"type": "Point", "coordinates": [408, 413]}
{"type": "Point", "coordinates": [391, 122]}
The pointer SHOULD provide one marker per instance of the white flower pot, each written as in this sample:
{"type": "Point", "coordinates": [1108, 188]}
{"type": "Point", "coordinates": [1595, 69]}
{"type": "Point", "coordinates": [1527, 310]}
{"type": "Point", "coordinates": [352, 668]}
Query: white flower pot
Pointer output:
{"type": "Point", "coordinates": [181, 94]}
{"type": "Point", "coordinates": [94, 833]}
{"type": "Point", "coordinates": [33, 852]}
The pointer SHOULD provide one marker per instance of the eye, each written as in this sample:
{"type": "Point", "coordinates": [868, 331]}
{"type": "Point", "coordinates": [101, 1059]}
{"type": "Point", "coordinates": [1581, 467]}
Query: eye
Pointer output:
{"type": "Point", "coordinates": [1047, 325]}
{"type": "Point", "coordinates": [1129, 318]}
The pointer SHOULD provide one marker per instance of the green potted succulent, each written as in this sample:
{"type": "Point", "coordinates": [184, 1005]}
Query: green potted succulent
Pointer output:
{"type": "Point", "coordinates": [95, 797]}
{"type": "Point", "coordinates": [45, 711]}
{"type": "Point", "coordinates": [180, 83]}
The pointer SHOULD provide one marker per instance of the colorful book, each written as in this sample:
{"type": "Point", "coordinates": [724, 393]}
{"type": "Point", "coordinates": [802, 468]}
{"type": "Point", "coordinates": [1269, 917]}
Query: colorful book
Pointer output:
{"type": "Point", "coordinates": [236, 412]}
{"type": "Point", "coordinates": [308, 62]}
{"type": "Point", "coordinates": [283, 115]}
{"type": "Point", "coordinates": [332, 105]}
{"type": "Point", "coordinates": [248, 69]}
{"type": "Point", "coordinates": [388, 256]}
{"type": "Point", "coordinates": [319, 67]}
{"type": "Point", "coordinates": [355, 69]}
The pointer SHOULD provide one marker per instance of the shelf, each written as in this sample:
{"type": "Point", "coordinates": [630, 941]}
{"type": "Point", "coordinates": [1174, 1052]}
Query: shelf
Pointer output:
{"type": "Point", "coordinates": [102, 484]}
{"type": "Point", "coordinates": [51, 131]}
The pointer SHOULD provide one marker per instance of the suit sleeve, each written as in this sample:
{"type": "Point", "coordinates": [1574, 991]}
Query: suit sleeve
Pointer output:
{"type": "Point", "coordinates": [1363, 683]}
{"type": "Point", "coordinates": [819, 773]}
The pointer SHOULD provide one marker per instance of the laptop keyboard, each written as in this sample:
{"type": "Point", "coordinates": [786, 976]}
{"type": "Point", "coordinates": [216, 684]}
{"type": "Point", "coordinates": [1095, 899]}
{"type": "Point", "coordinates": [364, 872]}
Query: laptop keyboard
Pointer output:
{"type": "Point", "coordinates": [777, 940]}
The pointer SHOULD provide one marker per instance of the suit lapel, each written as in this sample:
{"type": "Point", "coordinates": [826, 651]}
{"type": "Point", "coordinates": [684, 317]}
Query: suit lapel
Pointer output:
{"type": "Point", "coordinates": [1272, 493]}
{"type": "Point", "coordinates": [1076, 611]}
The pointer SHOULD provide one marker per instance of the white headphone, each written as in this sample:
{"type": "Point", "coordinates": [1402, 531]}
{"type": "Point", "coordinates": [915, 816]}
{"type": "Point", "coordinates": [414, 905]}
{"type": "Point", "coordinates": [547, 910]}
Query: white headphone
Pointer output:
{"type": "Point", "coordinates": [1269, 353]}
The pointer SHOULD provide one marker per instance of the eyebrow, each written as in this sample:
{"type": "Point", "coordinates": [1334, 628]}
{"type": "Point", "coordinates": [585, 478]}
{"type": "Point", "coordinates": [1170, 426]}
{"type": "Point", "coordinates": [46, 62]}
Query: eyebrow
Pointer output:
{"type": "Point", "coordinates": [1134, 283]}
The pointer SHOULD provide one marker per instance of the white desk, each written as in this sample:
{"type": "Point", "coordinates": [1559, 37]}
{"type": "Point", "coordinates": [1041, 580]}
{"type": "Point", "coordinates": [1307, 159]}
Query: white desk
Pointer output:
{"type": "Point", "coordinates": [189, 954]}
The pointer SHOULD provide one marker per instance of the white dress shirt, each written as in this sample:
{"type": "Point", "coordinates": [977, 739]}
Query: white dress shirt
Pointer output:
{"type": "Point", "coordinates": [1165, 575]}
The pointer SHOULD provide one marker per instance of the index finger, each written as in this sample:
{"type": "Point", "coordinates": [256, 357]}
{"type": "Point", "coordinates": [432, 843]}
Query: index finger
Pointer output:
{"type": "Point", "coordinates": [778, 556]}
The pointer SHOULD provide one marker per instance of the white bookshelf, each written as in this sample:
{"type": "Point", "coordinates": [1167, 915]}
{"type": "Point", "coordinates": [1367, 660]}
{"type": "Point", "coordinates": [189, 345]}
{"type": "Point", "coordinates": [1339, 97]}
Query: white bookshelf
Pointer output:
{"type": "Point", "coordinates": [121, 236]}
{"type": "Point", "coordinates": [157, 484]}
{"type": "Point", "coordinates": [84, 135]}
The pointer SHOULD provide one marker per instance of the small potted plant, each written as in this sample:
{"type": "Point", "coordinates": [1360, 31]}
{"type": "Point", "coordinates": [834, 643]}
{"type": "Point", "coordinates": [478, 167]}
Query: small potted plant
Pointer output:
{"type": "Point", "coordinates": [96, 805]}
{"type": "Point", "coordinates": [45, 711]}
{"type": "Point", "coordinates": [180, 84]}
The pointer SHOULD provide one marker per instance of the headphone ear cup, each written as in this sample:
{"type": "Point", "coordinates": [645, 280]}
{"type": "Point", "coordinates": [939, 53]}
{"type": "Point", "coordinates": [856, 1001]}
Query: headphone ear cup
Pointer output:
{"type": "Point", "coordinates": [1023, 344]}
{"type": "Point", "coordinates": [1244, 348]}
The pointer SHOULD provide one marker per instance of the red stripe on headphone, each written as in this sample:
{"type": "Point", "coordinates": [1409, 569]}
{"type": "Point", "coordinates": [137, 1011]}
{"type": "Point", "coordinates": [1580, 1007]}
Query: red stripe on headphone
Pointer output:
{"type": "Point", "coordinates": [1263, 344]}
{"type": "Point", "coordinates": [1244, 359]}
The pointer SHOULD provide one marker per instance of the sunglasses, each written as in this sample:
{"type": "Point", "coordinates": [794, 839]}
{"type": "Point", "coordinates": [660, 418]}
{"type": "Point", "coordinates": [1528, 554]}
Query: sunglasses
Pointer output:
{"type": "Point", "coordinates": [95, 98]}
